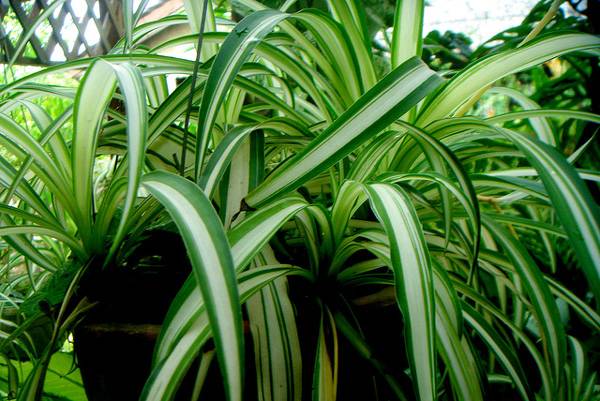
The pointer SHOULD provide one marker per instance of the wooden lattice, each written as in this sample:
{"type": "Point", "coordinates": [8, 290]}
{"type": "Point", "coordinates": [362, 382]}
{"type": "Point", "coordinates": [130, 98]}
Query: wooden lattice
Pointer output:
{"type": "Point", "coordinates": [75, 29]}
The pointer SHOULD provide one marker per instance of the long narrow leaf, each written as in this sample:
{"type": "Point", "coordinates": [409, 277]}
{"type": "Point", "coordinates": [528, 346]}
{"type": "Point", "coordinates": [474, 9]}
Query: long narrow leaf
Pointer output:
{"type": "Point", "coordinates": [542, 303]}
{"type": "Point", "coordinates": [93, 96]}
{"type": "Point", "coordinates": [132, 88]}
{"type": "Point", "coordinates": [484, 72]}
{"type": "Point", "coordinates": [385, 102]}
{"type": "Point", "coordinates": [574, 205]}
{"type": "Point", "coordinates": [276, 344]}
{"type": "Point", "coordinates": [213, 268]}
{"type": "Point", "coordinates": [407, 39]}
{"type": "Point", "coordinates": [170, 369]}
{"type": "Point", "coordinates": [235, 50]}
{"type": "Point", "coordinates": [414, 282]}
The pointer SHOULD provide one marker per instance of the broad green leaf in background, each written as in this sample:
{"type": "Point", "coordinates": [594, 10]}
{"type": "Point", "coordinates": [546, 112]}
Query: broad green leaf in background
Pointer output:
{"type": "Point", "coordinates": [61, 380]}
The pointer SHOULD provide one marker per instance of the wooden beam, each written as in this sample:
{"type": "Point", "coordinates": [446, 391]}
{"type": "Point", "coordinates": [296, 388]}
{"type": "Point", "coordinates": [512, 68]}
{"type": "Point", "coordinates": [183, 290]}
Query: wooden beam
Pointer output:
{"type": "Point", "coordinates": [26, 22]}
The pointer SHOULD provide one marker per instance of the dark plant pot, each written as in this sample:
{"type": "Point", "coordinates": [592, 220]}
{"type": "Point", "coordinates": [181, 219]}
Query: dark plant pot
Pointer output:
{"type": "Point", "coordinates": [115, 361]}
{"type": "Point", "coordinates": [115, 342]}
{"type": "Point", "coordinates": [115, 358]}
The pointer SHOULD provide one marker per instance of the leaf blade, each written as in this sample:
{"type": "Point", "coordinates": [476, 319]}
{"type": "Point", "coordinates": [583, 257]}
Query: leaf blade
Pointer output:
{"type": "Point", "coordinates": [213, 268]}
{"type": "Point", "coordinates": [385, 102]}
{"type": "Point", "coordinates": [414, 283]}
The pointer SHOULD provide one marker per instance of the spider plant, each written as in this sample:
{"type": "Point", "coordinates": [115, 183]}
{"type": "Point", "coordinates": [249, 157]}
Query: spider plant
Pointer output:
{"type": "Point", "coordinates": [308, 185]}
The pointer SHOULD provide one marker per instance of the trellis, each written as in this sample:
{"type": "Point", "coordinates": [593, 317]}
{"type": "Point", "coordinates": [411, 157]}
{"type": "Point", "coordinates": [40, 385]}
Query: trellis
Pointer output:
{"type": "Point", "coordinates": [64, 34]}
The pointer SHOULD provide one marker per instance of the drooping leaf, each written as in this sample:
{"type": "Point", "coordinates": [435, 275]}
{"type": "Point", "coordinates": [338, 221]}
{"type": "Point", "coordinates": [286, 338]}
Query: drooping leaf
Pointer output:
{"type": "Point", "coordinates": [209, 252]}
{"type": "Point", "coordinates": [414, 283]}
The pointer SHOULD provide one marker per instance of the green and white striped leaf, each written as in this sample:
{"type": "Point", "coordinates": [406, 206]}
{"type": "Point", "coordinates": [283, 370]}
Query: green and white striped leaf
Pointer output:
{"type": "Point", "coordinates": [407, 37]}
{"type": "Point", "coordinates": [247, 239]}
{"type": "Point", "coordinates": [547, 113]}
{"type": "Point", "coordinates": [446, 295]}
{"type": "Point", "coordinates": [336, 45]}
{"type": "Point", "coordinates": [438, 154]}
{"type": "Point", "coordinates": [307, 46]}
{"type": "Point", "coordinates": [458, 357]}
{"type": "Point", "coordinates": [128, 18]}
{"type": "Point", "coordinates": [482, 301]}
{"type": "Point", "coordinates": [11, 178]}
{"type": "Point", "coordinates": [140, 11]}
{"type": "Point", "coordinates": [51, 232]}
{"type": "Point", "coordinates": [169, 370]}
{"type": "Point", "coordinates": [213, 267]}
{"type": "Point", "coordinates": [194, 11]}
{"type": "Point", "coordinates": [276, 344]}
{"type": "Point", "coordinates": [19, 142]}
{"type": "Point", "coordinates": [542, 303]}
{"type": "Point", "coordinates": [57, 147]}
{"type": "Point", "coordinates": [132, 87]}
{"type": "Point", "coordinates": [579, 368]}
{"type": "Point", "coordinates": [250, 236]}
{"type": "Point", "coordinates": [585, 311]}
{"type": "Point", "coordinates": [574, 205]}
{"type": "Point", "coordinates": [395, 94]}
{"type": "Point", "coordinates": [350, 197]}
{"type": "Point", "coordinates": [324, 371]}
{"type": "Point", "coordinates": [95, 92]}
{"type": "Point", "coordinates": [503, 351]}
{"type": "Point", "coordinates": [234, 52]}
{"type": "Point", "coordinates": [352, 18]}
{"type": "Point", "coordinates": [413, 279]}
{"type": "Point", "coordinates": [540, 125]}
{"type": "Point", "coordinates": [488, 70]}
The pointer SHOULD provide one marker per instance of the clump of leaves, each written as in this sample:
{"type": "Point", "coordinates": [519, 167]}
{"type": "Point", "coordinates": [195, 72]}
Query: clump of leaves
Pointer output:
{"type": "Point", "coordinates": [303, 161]}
